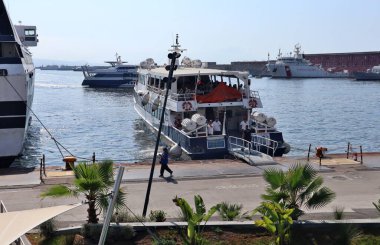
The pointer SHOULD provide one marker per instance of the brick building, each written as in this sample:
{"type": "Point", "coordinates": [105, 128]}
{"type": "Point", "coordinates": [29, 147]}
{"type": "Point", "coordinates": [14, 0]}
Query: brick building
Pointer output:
{"type": "Point", "coordinates": [358, 61]}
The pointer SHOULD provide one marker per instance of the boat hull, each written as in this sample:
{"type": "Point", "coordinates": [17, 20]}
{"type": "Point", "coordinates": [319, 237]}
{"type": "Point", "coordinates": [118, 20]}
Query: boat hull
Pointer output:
{"type": "Point", "coordinates": [105, 83]}
{"type": "Point", "coordinates": [14, 114]}
{"type": "Point", "coordinates": [366, 76]}
{"type": "Point", "coordinates": [300, 71]}
{"type": "Point", "coordinates": [211, 147]}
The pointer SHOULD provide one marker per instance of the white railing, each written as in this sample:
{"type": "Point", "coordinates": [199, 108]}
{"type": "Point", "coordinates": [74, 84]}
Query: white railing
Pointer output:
{"type": "Point", "coordinates": [261, 143]}
{"type": "Point", "coordinates": [239, 144]}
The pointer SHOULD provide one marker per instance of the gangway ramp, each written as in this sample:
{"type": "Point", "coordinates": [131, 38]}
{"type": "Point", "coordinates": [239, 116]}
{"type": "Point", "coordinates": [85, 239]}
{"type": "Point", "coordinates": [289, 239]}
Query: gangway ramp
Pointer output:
{"type": "Point", "coordinates": [242, 149]}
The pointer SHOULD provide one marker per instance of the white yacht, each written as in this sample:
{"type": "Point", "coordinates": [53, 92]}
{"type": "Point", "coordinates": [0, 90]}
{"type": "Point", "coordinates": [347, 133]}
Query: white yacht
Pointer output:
{"type": "Point", "coordinates": [16, 85]}
{"type": "Point", "coordinates": [197, 96]}
{"type": "Point", "coordinates": [118, 75]}
{"type": "Point", "coordinates": [297, 66]}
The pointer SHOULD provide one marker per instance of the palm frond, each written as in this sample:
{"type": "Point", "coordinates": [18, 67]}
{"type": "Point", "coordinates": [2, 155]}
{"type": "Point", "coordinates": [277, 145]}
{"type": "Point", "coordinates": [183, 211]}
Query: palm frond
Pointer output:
{"type": "Point", "coordinates": [313, 187]}
{"type": "Point", "coordinates": [275, 177]}
{"type": "Point", "coordinates": [320, 198]}
{"type": "Point", "coordinates": [106, 172]}
{"type": "Point", "coordinates": [200, 207]}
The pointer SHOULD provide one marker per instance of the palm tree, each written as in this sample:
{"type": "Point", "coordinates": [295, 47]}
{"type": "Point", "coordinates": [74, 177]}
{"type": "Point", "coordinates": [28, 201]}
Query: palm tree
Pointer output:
{"type": "Point", "coordinates": [299, 186]}
{"type": "Point", "coordinates": [95, 182]}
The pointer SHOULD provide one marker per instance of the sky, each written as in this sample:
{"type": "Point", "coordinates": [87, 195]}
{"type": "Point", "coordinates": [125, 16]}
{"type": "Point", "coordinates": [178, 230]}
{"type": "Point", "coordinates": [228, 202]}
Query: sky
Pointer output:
{"type": "Point", "coordinates": [92, 31]}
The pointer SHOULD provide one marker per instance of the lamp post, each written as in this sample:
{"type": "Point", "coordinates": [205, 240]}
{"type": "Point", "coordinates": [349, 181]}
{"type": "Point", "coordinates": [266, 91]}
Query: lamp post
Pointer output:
{"type": "Point", "coordinates": [172, 56]}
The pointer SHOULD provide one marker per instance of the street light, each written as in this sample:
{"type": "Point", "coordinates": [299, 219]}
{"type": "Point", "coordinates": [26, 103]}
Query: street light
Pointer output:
{"type": "Point", "coordinates": [172, 56]}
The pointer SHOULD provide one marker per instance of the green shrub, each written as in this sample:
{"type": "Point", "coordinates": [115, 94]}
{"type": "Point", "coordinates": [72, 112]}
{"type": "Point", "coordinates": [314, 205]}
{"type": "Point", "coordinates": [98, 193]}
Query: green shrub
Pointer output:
{"type": "Point", "coordinates": [92, 231]}
{"type": "Point", "coordinates": [115, 232]}
{"type": "Point", "coordinates": [157, 215]}
{"type": "Point", "coordinates": [229, 212]}
{"type": "Point", "coordinates": [123, 216]}
{"type": "Point", "coordinates": [48, 228]}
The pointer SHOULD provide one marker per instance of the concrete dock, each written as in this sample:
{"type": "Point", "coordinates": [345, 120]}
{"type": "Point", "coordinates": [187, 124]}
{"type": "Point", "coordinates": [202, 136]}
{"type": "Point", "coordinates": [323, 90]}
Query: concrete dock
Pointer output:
{"type": "Point", "coordinates": [356, 186]}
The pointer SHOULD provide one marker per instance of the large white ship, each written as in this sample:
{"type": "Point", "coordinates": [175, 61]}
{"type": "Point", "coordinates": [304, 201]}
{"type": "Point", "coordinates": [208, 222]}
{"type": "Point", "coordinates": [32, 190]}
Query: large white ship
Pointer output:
{"type": "Point", "coordinates": [16, 85]}
{"type": "Point", "coordinates": [198, 98]}
{"type": "Point", "coordinates": [297, 67]}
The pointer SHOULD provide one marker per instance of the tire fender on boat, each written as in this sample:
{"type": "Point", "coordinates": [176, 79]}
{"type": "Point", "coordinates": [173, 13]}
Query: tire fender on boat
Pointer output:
{"type": "Point", "coordinates": [252, 103]}
{"type": "Point", "coordinates": [187, 106]}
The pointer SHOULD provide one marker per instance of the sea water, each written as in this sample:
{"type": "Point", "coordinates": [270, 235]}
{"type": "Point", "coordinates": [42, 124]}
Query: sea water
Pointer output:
{"type": "Point", "coordinates": [320, 112]}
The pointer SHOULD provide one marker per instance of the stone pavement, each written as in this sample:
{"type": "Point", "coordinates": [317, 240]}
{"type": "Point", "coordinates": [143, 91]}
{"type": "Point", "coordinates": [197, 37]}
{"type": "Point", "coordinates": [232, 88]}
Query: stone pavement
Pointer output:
{"type": "Point", "coordinates": [356, 185]}
{"type": "Point", "coordinates": [198, 169]}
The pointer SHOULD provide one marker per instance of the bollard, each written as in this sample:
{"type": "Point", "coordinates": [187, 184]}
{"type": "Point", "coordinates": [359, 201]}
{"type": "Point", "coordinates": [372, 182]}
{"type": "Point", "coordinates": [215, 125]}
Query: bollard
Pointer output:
{"type": "Point", "coordinates": [41, 169]}
{"type": "Point", "coordinates": [361, 155]}
{"type": "Point", "coordinates": [43, 164]}
{"type": "Point", "coordinates": [70, 161]}
{"type": "Point", "coordinates": [308, 153]}
{"type": "Point", "coordinates": [348, 149]}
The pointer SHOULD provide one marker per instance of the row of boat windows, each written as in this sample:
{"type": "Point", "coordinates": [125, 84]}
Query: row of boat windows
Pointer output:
{"type": "Point", "coordinates": [191, 83]}
{"type": "Point", "coordinates": [124, 75]}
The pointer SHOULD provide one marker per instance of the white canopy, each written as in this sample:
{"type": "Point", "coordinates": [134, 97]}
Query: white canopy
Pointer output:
{"type": "Point", "coordinates": [15, 224]}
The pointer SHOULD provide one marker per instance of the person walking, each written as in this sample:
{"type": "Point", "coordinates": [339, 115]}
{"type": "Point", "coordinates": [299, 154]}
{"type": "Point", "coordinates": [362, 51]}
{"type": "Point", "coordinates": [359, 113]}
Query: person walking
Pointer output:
{"type": "Point", "coordinates": [164, 161]}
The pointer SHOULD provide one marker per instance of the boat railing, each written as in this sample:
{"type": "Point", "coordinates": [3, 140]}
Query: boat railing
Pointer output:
{"type": "Point", "coordinates": [244, 147]}
{"type": "Point", "coordinates": [183, 96]}
{"type": "Point", "coordinates": [262, 127]}
{"type": "Point", "coordinates": [155, 90]}
{"type": "Point", "coordinates": [264, 144]}
{"type": "Point", "coordinates": [200, 131]}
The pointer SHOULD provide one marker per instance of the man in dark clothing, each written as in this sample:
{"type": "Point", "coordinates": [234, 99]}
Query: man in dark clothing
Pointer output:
{"type": "Point", "coordinates": [164, 163]}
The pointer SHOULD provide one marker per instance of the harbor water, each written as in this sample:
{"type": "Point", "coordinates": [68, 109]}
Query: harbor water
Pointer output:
{"type": "Point", "coordinates": [320, 112]}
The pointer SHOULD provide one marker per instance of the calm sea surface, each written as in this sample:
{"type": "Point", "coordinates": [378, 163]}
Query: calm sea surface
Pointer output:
{"type": "Point", "coordinates": [327, 112]}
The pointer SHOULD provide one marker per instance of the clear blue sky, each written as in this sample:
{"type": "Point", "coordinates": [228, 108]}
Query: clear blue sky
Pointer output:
{"type": "Point", "coordinates": [212, 30]}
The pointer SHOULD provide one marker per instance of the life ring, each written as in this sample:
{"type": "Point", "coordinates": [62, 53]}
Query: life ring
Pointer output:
{"type": "Point", "coordinates": [187, 106]}
{"type": "Point", "coordinates": [252, 103]}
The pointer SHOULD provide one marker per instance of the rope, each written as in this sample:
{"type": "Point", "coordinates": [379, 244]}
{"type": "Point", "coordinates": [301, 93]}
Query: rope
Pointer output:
{"type": "Point", "coordinates": [140, 221]}
{"type": "Point", "coordinates": [30, 109]}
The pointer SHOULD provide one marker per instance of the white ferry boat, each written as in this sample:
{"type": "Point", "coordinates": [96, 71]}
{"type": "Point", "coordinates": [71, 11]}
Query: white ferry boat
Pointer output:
{"type": "Point", "coordinates": [17, 75]}
{"type": "Point", "coordinates": [118, 75]}
{"type": "Point", "coordinates": [197, 97]}
{"type": "Point", "coordinates": [297, 67]}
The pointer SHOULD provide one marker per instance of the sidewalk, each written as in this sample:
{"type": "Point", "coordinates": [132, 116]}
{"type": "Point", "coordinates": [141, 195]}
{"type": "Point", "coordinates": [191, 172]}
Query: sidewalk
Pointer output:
{"type": "Point", "coordinates": [198, 169]}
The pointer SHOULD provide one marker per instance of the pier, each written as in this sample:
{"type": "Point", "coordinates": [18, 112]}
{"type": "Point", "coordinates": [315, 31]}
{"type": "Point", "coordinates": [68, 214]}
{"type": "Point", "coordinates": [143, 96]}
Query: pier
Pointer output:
{"type": "Point", "coordinates": [234, 181]}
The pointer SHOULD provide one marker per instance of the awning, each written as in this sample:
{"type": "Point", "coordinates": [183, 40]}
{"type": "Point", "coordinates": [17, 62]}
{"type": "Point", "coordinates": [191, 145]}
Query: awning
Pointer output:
{"type": "Point", "coordinates": [17, 223]}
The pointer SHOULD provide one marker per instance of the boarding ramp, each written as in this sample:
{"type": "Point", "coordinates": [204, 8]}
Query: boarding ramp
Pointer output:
{"type": "Point", "coordinates": [264, 144]}
{"type": "Point", "coordinates": [243, 149]}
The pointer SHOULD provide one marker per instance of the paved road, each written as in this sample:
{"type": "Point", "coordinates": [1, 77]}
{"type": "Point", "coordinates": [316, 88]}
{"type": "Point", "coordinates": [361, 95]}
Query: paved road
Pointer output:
{"type": "Point", "coordinates": [356, 189]}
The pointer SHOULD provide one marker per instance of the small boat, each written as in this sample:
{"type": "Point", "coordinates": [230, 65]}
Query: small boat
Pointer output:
{"type": "Point", "coordinates": [371, 74]}
{"type": "Point", "coordinates": [197, 98]}
{"type": "Point", "coordinates": [17, 74]}
{"type": "Point", "coordinates": [297, 66]}
{"type": "Point", "coordinates": [118, 75]}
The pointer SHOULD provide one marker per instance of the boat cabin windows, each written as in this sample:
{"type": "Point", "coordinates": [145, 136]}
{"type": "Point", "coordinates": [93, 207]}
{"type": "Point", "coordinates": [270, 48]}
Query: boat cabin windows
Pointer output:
{"type": "Point", "coordinates": [9, 50]}
{"type": "Point", "coordinates": [141, 79]}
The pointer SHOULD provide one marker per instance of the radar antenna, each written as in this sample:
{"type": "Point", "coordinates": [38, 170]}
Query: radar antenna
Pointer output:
{"type": "Point", "coordinates": [177, 47]}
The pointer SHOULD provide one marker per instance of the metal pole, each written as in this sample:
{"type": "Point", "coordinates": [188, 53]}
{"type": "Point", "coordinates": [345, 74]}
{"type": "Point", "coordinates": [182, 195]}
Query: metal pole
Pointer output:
{"type": "Point", "coordinates": [44, 165]}
{"type": "Point", "coordinates": [111, 205]}
{"type": "Point", "coordinates": [348, 149]}
{"type": "Point", "coordinates": [308, 153]}
{"type": "Point", "coordinates": [173, 57]}
{"type": "Point", "coordinates": [361, 155]}
{"type": "Point", "coordinates": [93, 157]}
